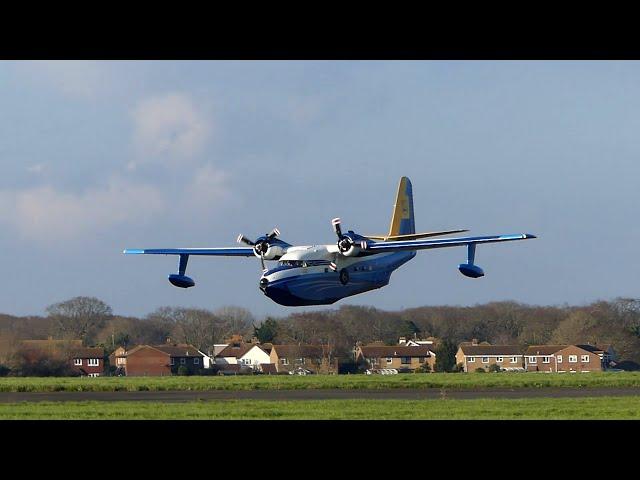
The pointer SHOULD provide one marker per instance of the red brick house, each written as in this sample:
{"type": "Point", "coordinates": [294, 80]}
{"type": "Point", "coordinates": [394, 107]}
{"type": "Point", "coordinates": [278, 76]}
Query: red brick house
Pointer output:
{"type": "Point", "coordinates": [568, 358]}
{"type": "Point", "coordinates": [314, 358]}
{"type": "Point", "coordinates": [159, 360]}
{"type": "Point", "coordinates": [400, 357]}
{"type": "Point", "coordinates": [89, 361]}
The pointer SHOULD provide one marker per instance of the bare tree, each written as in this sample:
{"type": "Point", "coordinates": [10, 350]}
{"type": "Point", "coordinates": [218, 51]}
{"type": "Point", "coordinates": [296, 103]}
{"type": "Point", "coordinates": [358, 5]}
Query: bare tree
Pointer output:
{"type": "Point", "coordinates": [79, 317]}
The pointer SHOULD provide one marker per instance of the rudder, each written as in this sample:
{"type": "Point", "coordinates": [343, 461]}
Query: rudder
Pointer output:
{"type": "Point", "coordinates": [402, 221]}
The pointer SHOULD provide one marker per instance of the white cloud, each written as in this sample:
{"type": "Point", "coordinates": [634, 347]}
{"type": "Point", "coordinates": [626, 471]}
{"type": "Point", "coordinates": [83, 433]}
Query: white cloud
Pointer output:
{"type": "Point", "coordinates": [45, 214]}
{"type": "Point", "coordinates": [75, 78]}
{"type": "Point", "coordinates": [36, 169]}
{"type": "Point", "coordinates": [168, 129]}
{"type": "Point", "coordinates": [208, 186]}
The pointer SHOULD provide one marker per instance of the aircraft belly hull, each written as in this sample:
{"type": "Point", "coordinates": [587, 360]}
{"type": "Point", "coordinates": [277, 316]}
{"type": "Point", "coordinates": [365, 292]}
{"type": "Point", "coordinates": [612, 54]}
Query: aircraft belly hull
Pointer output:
{"type": "Point", "coordinates": [321, 289]}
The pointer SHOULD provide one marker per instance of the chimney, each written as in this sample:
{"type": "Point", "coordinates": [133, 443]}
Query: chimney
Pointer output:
{"type": "Point", "coordinates": [474, 341]}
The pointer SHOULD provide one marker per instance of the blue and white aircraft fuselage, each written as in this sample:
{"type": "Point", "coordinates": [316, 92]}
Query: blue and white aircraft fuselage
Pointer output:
{"type": "Point", "coordinates": [324, 274]}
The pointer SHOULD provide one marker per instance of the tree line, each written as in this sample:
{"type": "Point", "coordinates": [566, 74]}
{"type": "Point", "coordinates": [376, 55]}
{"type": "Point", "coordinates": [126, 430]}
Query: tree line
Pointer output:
{"type": "Point", "coordinates": [91, 320]}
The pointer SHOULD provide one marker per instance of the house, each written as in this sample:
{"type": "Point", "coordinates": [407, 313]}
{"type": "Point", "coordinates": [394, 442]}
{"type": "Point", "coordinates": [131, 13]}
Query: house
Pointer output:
{"type": "Point", "coordinates": [400, 357]}
{"type": "Point", "coordinates": [474, 355]}
{"type": "Point", "coordinates": [250, 355]}
{"type": "Point", "coordinates": [568, 358]}
{"type": "Point", "coordinates": [86, 361]}
{"type": "Point", "coordinates": [162, 360]}
{"type": "Point", "coordinates": [89, 361]}
{"type": "Point", "coordinates": [118, 359]}
{"type": "Point", "coordinates": [315, 358]}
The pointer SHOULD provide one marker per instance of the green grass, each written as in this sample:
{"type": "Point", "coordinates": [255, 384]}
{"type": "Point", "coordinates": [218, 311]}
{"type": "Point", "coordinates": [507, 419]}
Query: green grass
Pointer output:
{"type": "Point", "coordinates": [538, 408]}
{"type": "Point", "coordinates": [294, 382]}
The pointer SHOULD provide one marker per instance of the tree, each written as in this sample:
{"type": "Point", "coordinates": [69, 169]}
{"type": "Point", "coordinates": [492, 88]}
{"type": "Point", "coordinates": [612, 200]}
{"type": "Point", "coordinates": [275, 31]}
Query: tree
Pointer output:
{"type": "Point", "coordinates": [235, 320]}
{"type": "Point", "coordinates": [194, 326]}
{"type": "Point", "coordinates": [267, 331]}
{"type": "Point", "coordinates": [79, 317]}
{"type": "Point", "coordinates": [446, 356]}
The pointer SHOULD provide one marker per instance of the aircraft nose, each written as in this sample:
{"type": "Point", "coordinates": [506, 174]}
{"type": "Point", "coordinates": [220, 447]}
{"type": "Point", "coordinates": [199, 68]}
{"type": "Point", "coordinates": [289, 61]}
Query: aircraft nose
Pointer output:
{"type": "Point", "coordinates": [263, 283]}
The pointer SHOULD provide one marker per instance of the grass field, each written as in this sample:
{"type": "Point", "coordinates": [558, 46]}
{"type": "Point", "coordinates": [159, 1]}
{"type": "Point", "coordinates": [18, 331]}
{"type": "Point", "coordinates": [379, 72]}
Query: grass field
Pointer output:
{"type": "Point", "coordinates": [294, 382]}
{"type": "Point", "coordinates": [482, 409]}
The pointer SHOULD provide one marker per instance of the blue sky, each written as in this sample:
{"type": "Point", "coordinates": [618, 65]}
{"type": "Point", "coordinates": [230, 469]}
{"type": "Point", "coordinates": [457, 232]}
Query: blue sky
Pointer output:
{"type": "Point", "coordinates": [99, 156]}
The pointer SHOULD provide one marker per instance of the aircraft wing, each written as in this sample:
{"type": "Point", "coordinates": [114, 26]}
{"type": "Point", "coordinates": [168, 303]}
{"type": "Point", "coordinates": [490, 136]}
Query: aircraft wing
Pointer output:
{"type": "Point", "coordinates": [221, 252]}
{"type": "Point", "coordinates": [442, 243]}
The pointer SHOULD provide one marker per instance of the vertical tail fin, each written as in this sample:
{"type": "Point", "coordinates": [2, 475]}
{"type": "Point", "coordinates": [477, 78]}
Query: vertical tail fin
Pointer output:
{"type": "Point", "coordinates": [402, 222]}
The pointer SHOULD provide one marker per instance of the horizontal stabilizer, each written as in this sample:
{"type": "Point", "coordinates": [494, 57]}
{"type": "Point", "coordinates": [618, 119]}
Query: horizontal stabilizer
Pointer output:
{"type": "Point", "coordinates": [413, 236]}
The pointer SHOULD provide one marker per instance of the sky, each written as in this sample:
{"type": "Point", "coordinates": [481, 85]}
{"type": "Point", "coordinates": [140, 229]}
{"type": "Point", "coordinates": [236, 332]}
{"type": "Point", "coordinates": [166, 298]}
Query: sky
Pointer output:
{"type": "Point", "coordinates": [99, 156]}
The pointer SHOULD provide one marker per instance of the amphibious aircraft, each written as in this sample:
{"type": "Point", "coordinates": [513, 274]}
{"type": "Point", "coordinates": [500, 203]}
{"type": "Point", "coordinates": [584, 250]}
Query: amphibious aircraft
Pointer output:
{"type": "Point", "coordinates": [324, 274]}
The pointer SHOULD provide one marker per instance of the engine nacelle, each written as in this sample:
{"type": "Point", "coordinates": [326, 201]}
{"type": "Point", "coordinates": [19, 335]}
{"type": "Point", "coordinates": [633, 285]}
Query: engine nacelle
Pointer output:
{"type": "Point", "coordinates": [274, 252]}
{"type": "Point", "coordinates": [352, 251]}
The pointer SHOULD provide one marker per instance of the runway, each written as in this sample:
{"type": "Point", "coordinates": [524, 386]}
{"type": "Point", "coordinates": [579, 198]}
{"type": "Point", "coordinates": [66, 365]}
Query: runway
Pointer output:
{"type": "Point", "coordinates": [317, 394]}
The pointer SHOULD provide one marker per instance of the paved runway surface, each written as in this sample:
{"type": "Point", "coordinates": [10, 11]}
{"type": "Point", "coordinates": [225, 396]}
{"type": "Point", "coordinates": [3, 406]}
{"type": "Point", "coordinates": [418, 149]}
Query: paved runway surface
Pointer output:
{"type": "Point", "coordinates": [386, 394]}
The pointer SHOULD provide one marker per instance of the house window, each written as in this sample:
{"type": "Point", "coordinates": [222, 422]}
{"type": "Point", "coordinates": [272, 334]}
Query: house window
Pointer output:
{"type": "Point", "coordinates": [284, 361]}
{"type": "Point", "coordinates": [472, 359]}
{"type": "Point", "coordinates": [546, 359]}
{"type": "Point", "coordinates": [196, 361]}
{"type": "Point", "coordinates": [405, 360]}
{"type": "Point", "coordinates": [499, 359]}
{"type": "Point", "coordinates": [573, 358]}
{"type": "Point", "coordinates": [514, 359]}
{"type": "Point", "coordinates": [485, 359]}
{"type": "Point", "coordinates": [559, 358]}
{"type": "Point", "coordinates": [533, 360]}
{"type": "Point", "coordinates": [183, 361]}
{"type": "Point", "coordinates": [172, 361]}
{"type": "Point", "coordinates": [93, 375]}
{"type": "Point", "coordinates": [584, 358]}
{"type": "Point", "coordinates": [300, 360]}
{"type": "Point", "coordinates": [93, 362]}
{"type": "Point", "coordinates": [77, 361]}
{"type": "Point", "coordinates": [389, 360]}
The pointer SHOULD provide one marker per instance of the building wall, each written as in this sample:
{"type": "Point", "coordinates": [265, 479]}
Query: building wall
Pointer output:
{"type": "Point", "coordinates": [317, 365]}
{"type": "Point", "coordinates": [396, 362]}
{"type": "Point", "coordinates": [470, 366]}
{"type": "Point", "coordinates": [540, 366]}
{"type": "Point", "coordinates": [86, 368]}
{"type": "Point", "coordinates": [193, 363]}
{"type": "Point", "coordinates": [255, 357]}
{"type": "Point", "coordinates": [593, 365]}
{"type": "Point", "coordinates": [148, 362]}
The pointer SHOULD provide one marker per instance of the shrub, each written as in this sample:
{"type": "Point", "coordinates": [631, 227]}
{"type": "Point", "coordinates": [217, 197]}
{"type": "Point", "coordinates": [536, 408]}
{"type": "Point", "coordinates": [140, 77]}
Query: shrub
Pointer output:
{"type": "Point", "coordinates": [495, 368]}
{"type": "Point", "coordinates": [4, 370]}
{"type": "Point", "coordinates": [480, 370]}
{"type": "Point", "coordinates": [182, 370]}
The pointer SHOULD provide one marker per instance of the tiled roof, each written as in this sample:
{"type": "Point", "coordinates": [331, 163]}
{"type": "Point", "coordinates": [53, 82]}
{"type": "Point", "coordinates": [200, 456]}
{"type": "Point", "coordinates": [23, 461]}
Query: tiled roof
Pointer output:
{"type": "Point", "coordinates": [544, 349]}
{"type": "Point", "coordinates": [88, 352]}
{"type": "Point", "coordinates": [291, 351]}
{"type": "Point", "coordinates": [179, 350]}
{"type": "Point", "coordinates": [378, 351]}
{"type": "Point", "coordinates": [238, 351]}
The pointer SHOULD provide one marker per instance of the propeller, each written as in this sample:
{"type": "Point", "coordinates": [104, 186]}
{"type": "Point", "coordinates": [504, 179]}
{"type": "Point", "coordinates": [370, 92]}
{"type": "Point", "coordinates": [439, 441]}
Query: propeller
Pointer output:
{"type": "Point", "coordinates": [261, 245]}
{"type": "Point", "coordinates": [344, 242]}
